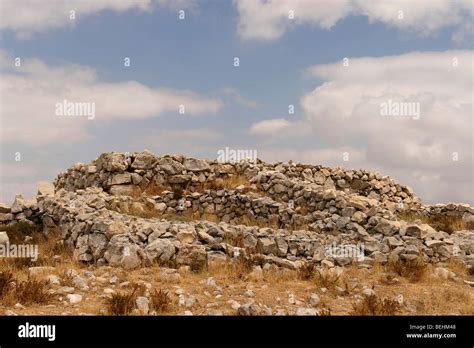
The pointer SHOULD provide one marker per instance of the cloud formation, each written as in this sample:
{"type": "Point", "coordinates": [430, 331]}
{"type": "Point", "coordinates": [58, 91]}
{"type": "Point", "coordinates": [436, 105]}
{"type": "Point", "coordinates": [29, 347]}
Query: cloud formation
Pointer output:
{"type": "Point", "coordinates": [270, 19]}
{"type": "Point", "coordinates": [29, 16]}
{"type": "Point", "coordinates": [431, 151]}
{"type": "Point", "coordinates": [29, 95]}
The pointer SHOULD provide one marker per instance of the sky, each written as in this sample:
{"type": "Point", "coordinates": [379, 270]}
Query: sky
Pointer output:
{"type": "Point", "coordinates": [382, 85]}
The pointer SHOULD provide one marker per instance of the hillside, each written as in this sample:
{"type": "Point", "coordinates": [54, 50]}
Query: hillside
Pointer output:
{"type": "Point", "coordinates": [135, 223]}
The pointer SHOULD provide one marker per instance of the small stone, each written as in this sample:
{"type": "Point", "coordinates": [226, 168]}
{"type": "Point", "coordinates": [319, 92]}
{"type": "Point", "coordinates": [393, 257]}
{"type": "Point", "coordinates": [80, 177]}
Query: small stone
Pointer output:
{"type": "Point", "coordinates": [53, 279]}
{"type": "Point", "coordinates": [327, 263]}
{"type": "Point", "coordinates": [368, 292]}
{"type": "Point", "coordinates": [314, 299]}
{"type": "Point", "coordinates": [306, 311]}
{"type": "Point", "coordinates": [143, 305]}
{"type": "Point", "coordinates": [74, 298]}
{"type": "Point", "coordinates": [234, 304]}
{"type": "Point", "coordinates": [65, 290]}
{"type": "Point", "coordinates": [249, 293]}
{"type": "Point", "coordinates": [80, 283]}
{"type": "Point", "coordinates": [443, 273]}
{"type": "Point", "coordinates": [4, 240]}
{"type": "Point", "coordinates": [257, 273]}
{"type": "Point", "coordinates": [35, 271]}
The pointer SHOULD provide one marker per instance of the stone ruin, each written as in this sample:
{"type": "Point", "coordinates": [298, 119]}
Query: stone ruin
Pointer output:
{"type": "Point", "coordinates": [137, 209]}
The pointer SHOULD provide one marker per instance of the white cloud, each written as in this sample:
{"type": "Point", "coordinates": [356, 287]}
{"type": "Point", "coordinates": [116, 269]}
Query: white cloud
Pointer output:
{"type": "Point", "coordinates": [232, 92]}
{"type": "Point", "coordinates": [346, 110]}
{"type": "Point", "coordinates": [345, 114]}
{"type": "Point", "coordinates": [28, 16]}
{"type": "Point", "coordinates": [272, 127]}
{"type": "Point", "coordinates": [29, 94]}
{"type": "Point", "coordinates": [269, 19]}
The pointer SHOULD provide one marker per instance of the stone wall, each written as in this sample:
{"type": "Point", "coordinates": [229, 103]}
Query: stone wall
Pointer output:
{"type": "Point", "coordinates": [137, 209]}
{"type": "Point", "coordinates": [124, 173]}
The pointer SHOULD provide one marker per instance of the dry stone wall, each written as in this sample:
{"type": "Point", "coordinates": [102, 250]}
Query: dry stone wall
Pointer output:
{"type": "Point", "coordinates": [136, 209]}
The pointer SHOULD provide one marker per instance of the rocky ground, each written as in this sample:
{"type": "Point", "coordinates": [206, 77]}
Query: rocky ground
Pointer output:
{"type": "Point", "coordinates": [132, 233]}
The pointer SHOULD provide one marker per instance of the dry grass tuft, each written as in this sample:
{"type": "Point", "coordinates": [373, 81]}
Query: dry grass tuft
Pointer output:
{"type": "Point", "coordinates": [18, 231]}
{"type": "Point", "coordinates": [32, 291]}
{"type": "Point", "coordinates": [373, 305]}
{"type": "Point", "coordinates": [414, 270]}
{"type": "Point", "coordinates": [6, 282]}
{"type": "Point", "coordinates": [26, 292]}
{"type": "Point", "coordinates": [324, 311]}
{"type": "Point", "coordinates": [327, 278]}
{"type": "Point", "coordinates": [439, 222]}
{"type": "Point", "coordinates": [160, 301]}
{"type": "Point", "coordinates": [121, 303]}
{"type": "Point", "coordinates": [307, 271]}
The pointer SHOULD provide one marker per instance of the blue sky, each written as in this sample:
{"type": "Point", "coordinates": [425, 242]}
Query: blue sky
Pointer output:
{"type": "Point", "coordinates": [196, 54]}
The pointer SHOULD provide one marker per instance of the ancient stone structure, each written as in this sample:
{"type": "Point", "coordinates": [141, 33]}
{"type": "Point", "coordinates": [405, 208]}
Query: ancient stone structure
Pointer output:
{"type": "Point", "coordinates": [135, 209]}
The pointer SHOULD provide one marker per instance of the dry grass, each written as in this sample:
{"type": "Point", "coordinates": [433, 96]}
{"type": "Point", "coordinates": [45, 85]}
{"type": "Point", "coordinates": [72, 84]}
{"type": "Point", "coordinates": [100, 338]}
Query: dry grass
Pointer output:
{"type": "Point", "coordinates": [32, 291]}
{"type": "Point", "coordinates": [18, 231]}
{"type": "Point", "coordinates": [230, 182]}
{"type": "Point", "coordinates": [6, 282]}
{"type": "Point", "coordinates": [121, 303]}
{"type": "Point", "coordinates": [440, 222]}
{"type": "Point", "coordinates": [26, 292]}
{"type": "Point", "coordinates": [48, 247]}
{"type": "Point", "coordinates": [160, 301]}
{"type": "Point", "coordinates": [307, 271]}
{"type": "Point", "coordinates": [324, 311]}
{"type": "Point", "coordinates": [154, 189]}
{"type": "Point", "coordinates": [144, 212]}
{"type": "Point", "coordinates": [373, 305]}
{"type": "Point", "coordinates": [414, 270]}
{"type": "Point", "coordinates": [327, 278]}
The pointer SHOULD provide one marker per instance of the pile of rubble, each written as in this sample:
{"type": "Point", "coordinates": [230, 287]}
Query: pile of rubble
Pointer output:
{"type": "Point", "coordinates": [284, 214]}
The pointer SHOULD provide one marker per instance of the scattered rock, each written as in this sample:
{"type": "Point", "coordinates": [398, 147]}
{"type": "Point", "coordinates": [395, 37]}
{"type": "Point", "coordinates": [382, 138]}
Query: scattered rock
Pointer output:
{"type": "Point", "coordinates": [74, 298]}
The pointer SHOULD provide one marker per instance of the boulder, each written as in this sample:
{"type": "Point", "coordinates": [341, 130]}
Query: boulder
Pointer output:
{"type": "Point", "coordinates": [160, 250]}
{"type": "Point", "coordinates": [267, 246]}
{"type": "Point", "coordinates": [125, 190]}
{"type": "Point", "coordinates": [18, 205]}
{"type": "Point", "coordinates": [196, 165]}
{"type": "Point", "coordinates": [123, 178]}
{"type": "Point", "coordinates": [144, 160]}
{"type": "Point", "coordinates": [112, 162]}
{"type": "Point", "coordinates": [4, 208]}
{"type": "Point", "coordinates": [45, 188]}
{"type": "Point", "coordinates": [191, 255]}
{"type": "Point", "coordinates": [121, 251]}
{"type": "Point", "coordinates": [4, 240]}
{"type": "Point", "coordinates": [387, 227]}
{"type": "Point", "coordinates": [116, 227]}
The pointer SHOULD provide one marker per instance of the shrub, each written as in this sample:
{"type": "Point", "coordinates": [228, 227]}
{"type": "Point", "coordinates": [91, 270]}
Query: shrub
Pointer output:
{"type": "Point", "coordinates": [121, 303]}
{"type": "Point", "coordinates": [32, 291]}
{"type": "Point", "coordinates": [373, 305]}
{"type": "Point", "coordinates": [307, 271]}
{"type": "Point", "coordinates": [160, 301]}
{"type": "Point", "coordinates": [6, 282]}
{"type": "Point", "coordinates": [413, 270]}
